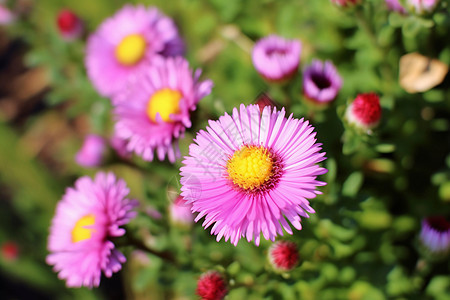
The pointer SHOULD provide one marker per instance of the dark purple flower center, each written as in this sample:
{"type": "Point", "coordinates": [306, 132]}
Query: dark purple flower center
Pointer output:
{"type": "Point", "coordinates": [438, 223]}
{"type": "Point", "coordinates": [321, 81]}
{"type": "Point", "coordinates": [276, 51]}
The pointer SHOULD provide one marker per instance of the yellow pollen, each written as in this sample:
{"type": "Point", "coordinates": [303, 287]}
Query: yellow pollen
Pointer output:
{"type": "Point", "coordinates": [80, 232]}
{"type": "Point", "coordinates": [165, 102]}
{"type": "Point", "coordinates": [131, 49]}
{"type": "Point", "coordinates": [250, 167]}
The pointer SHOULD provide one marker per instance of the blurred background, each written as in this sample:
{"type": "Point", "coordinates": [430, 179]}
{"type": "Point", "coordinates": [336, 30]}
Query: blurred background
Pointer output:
{"type": "Point", "coordinates": [362, 243]}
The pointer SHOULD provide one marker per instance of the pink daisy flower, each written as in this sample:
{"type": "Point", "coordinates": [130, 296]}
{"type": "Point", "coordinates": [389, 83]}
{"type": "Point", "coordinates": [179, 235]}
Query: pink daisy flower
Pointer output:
{"type": "Point", "coordinates": [124, 44]}
{"type": "Point", "coordinates": [86, 218]}
{"type": "Point", "coordinates": [276, 58]}
{"type": "Point", "coordinates": [155, 111]}
{"type": "Point", "coordinates": [248, 172]}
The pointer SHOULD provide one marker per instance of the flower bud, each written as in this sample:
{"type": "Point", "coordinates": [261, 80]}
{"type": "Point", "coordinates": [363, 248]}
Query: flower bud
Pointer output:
{"type": "Point", "coordinates": [283, 255]}
{"type": "Point", "coordinates": [69, 25]}
{"type": "Point", "coordinates": [435, 235]}
{"type": "Point", "coordinates": [321, 82]}
{"type": "Point", "coordinates": [211, 286]}
{"type": "Point", "coordinates": [365, 111]}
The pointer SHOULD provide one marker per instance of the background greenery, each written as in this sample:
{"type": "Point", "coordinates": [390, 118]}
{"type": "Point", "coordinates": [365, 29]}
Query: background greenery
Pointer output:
{"type": "Point", "coordinates": [361, 243]}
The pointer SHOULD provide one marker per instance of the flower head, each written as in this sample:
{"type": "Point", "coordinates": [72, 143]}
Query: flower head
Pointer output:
{"type": "Point", "coordinates": [69, 25]}
{"type": "Point", "coordinates": [435, 235]}
{"type": "Point", "coordinates": [248, 172]}
{"type": "Point", "coordinates": [124, 44]}
{"type": "Point", "coordinates": [92, 152]}
{"type": "Point", "coordinates": [283, 255]}
{"type": "Point", "coordinates": [155, 111]}
{"type": "Point", "coordinates": [86, 219]}
{"type": "Point", "coordinates": [395, 5]}
{"type": "Point", "coordinates": [276, 58]}
{"type": "Point", "coordinates": [421, 7]}
{"type": "Point", "coordinates": [321, 82]}
{"type": "Point", "coordinates": [180, 212]}
{"type": "Point", "coordinates": [211, 286]}
{"type": "Point", "coordinates": [364, 111]}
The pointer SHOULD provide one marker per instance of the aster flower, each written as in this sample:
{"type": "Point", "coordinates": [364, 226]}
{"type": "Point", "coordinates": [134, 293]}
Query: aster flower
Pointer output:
{"type": "Point", "coordinates": [365, 111]}
{"type": "Point", "coordinates": [155, 110]}
{"type": "Point", "coordinates": [435, 235]}
{"type": "Point", "coordinates": [86, 219]}
{"type": "Point", "coordinates": [124, 44]}
{"type": "Point", "coordinates": [321, 82]}
{"type": "Point", "coordinates": [91, 152]}
{"type": "Point", "coordinates": [69, 25]}
{"type": "Point", "coordinates": [248, 172]}
{"type": "Point", "coordinates": [395, 5]}
{"type": "Point", "coordinates": [211, 286]}
{"type": "Point", "coordinates": [276, 58]}
{"type": "Point", "coordinates": [283, 255]}
{"type": "Point", "coordinates": [421, 7]}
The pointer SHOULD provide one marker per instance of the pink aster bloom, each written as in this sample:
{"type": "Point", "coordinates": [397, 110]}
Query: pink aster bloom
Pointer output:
{"type": "Point", "coordinates": [276, 58]}
{"type": "Point", "coordinates": [321, 82]}
{"type": "Point", "coordinates": [364, 111]}
{"type": "Point", "coordinates": [435, 234]}
{"type": "Point", "coordinates": [155, 110]}
{"type": "Point", "coordinates": [86, 219]}
{"type": "Point", "coordinates": [211, 286]}
{"type": "Point", "coordinates": [69, 25]}
{"type": "Point", "coordinates": [395, 5]}
{"type": "Point", "coordinates": [91, 152]}
{"type": "Point", "coordinates": [421, 7]}
{"type": "Point", "coordinates": [283, 255]}
{"type": "Point", "coordinates": [124, 44]}
{"type": "Point", "coordinates": [248, 172]}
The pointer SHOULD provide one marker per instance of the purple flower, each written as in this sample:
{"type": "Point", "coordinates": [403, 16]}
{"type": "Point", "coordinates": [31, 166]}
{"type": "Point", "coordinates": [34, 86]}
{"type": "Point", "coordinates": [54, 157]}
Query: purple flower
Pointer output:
{"type": "Point", "coordinates": [92, 152]}
{"type": "Point", "coordinates": [155, 110]}
{"type": "Point", "coordinates": [6, 15]}
{"type": "Point", "coordinates": [86, 219]}
{"type": "Point", "coordinates": [276, 58]}
{"type": "Point", "coordinates": [435, 234]}
{"type": "Point", "coordinates": [321, 82]}
{"type": "Point", "coordinates": [125, 43]}
{"type": "Point", "coordinates": [395, 5]}
{"type": "Point", "coordinates": [249, 172]}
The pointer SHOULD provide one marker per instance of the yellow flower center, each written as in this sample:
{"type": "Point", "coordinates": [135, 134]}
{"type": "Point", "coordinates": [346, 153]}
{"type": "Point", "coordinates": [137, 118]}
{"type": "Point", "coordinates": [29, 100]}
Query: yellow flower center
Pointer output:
{"type": "Point", "coordinates": [165, 102]}
{"type": "Point", "coordinates": [79, 232]}
{"type": "Point", "coordinates": [131, 49]}
{"type": "Point", "coordinates": [250, 167]}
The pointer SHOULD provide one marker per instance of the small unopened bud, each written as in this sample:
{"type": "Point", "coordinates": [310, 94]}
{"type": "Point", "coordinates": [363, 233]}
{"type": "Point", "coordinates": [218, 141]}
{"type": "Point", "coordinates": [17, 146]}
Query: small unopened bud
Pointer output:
{"type": "Point", "coordinates": [69, 25]}
{"type": "Point", "coordinates": [365, 111]}
{"type": "Point", "coordinates": [92, 151]}
{"type": "Point", "coordinates": [211, 286]}
{"type": "Point", "coordinates": [283, 255]}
